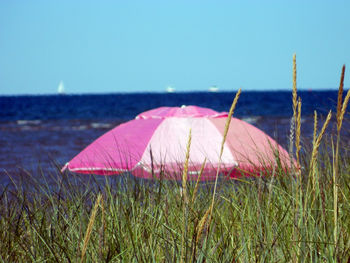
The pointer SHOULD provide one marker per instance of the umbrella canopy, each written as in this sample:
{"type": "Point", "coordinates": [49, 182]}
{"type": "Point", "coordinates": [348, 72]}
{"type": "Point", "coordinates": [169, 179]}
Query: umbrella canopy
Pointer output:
{"type": "Point", "coordinates": [154, 144]}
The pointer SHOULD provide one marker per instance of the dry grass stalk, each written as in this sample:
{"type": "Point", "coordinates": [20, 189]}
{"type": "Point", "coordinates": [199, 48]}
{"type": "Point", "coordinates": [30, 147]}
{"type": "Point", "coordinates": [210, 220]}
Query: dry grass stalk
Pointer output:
{"type": "Point", "coordinates": [317, 144]}
{"type": "Point", "coordinates": [184, 194]}
{"type": "Point", "coordinates": [202, 224]}
{"type": "Point", "coordinates": [297, 134]}
{"type": "Point", "coordinates": [295, 105]}
{"type": "Point", "coordinates": [315, 129]}
{"type": "Point", "coordinates": [102, 229]}
{"type": "Point", "coordinates": [228, 121]}
{"type": "Point", "coordinates": [291, 140]}
{"type": "Point", "coordinates": [198, 180]}
{"type": "Point", "coordinates": [341, 109]}
{"type": "Point", "coordinates": [319, 137]}
{"type": "Point", "coordinates": [314, 147]}
{"type": "Point", "coordinates": [233, 106]}
{"type": "Point", "coordinates": [340, 94]}
{"type": "Point", "coordinates": [185, 170]}
{"type": "Point", "coordinates": [295, 126]}
{"type": "Point", "coordinates": [295, 96]}
{"type": "Point", "coordinates": [293, 129]}
{"type": "Point", "coordinates": [312, 173]}
{"type": "Point", "coordinates": [335, 193]}
{"type": "Point", "coordinates": [342, 112]}
{"type": "Point", "coordinates": [90, 225]}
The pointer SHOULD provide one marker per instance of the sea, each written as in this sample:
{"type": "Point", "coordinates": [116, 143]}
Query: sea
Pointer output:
{"type": "Point", "coordinates": [40, 133]}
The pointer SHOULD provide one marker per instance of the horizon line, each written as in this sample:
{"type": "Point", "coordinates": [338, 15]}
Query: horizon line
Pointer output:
{"type": "Point", "coordinates": [165, 92]}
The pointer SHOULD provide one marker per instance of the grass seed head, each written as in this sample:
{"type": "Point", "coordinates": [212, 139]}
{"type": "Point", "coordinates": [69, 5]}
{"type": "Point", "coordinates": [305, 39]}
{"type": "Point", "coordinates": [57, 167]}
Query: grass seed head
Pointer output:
{"type": "Point", "coordinates": [343, 110]}
{"type": "Point", "coordinates": [233, 106]}
{"type": "Point", "coordinates": [340, 93]}
{"type": "Point", "coordinates": [295, 96]}
{"type": "Point", "coordinates": [202, 224]}
{"type": "Point", "coordinates": [90, 225]}
{"type": "Point", "coordinates": [185, 170]}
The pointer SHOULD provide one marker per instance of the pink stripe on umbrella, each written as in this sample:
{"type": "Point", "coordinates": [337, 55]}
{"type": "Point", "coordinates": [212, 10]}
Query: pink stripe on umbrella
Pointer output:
{"type": "Point", "coordinates": [252, 148]}
{"type": "Point", "coordinates": [116, 151]}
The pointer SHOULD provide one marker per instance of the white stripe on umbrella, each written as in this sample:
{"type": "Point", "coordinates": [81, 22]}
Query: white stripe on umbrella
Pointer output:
{"type": "Point", "coordinates": [168, 145]}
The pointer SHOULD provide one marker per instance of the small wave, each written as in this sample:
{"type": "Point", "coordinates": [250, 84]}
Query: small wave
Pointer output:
{"type": "Point", "coordinates": [97, 125]}
{"type": "Point", "coordinates": [251, 120]}
{"type": "Point", "coordinates": [28, 122]}
{"type": "Point", "coordinates": [79, 128]}
{"type": "Point", "coordinates": [26, 128]}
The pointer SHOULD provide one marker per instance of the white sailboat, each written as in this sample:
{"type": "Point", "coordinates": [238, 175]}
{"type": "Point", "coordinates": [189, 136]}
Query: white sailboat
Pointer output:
{"type": "Point", "coordinates": [170, 89]}
{"type": "Point", "coordinates": [213, 89]}
{"type": "Point", "coordinates": [60, 89]}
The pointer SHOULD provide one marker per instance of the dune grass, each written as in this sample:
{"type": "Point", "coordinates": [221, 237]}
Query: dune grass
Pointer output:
{"type": "Point", "coordinates": [300, 215]}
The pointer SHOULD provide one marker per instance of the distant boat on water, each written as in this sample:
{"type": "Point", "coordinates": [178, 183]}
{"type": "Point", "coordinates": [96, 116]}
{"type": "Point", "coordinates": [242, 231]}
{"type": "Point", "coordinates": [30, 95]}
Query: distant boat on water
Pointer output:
{"type": "Point", "coordinates": [170, 89]}
{"type": "Point", "coordinates": [213, 89]}
{"type": "Point", "coordinates": [60, 89]}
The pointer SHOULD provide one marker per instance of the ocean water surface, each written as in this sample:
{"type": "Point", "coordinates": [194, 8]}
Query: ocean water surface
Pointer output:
{"type": "Point", "coordinates": [38, 131]}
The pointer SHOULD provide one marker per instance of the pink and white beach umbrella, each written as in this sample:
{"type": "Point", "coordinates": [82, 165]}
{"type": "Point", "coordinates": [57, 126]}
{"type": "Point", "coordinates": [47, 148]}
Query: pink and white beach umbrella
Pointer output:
{"type": "Point", "coordinates": [154, 144]}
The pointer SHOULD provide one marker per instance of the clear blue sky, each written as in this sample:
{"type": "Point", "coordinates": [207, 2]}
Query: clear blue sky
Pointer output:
{"type": "Point", "coordinates": [128, 46]}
